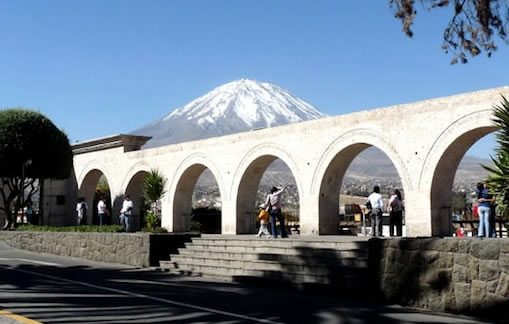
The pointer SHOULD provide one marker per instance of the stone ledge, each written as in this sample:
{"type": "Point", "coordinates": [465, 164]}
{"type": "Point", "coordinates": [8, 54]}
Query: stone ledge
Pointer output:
{"type": "Point", "coordinates": [459, 275]}
{"type": "Point", "coordinates": [135, 249]}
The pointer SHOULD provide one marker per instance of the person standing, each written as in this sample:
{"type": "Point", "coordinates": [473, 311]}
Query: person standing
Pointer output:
{"type": "Point", "coordinates": [377, 203]}
{"type": "Point", "coordinates": [81, 209]}
{"type": "Point", "coordinates": [395, 207]}
{"type": "Point", "coordinates": [263, 217]}
{"type": "Point", "coordinates": [30, 212]}
{"type": "Point", "coordinates": [102, 211]}
{"type": "Point", "coordinates": [273, 203]}
{"type": "Point", "coordinates": [126, 213]}
{"type": "Point", "coordinates": [484, 209]}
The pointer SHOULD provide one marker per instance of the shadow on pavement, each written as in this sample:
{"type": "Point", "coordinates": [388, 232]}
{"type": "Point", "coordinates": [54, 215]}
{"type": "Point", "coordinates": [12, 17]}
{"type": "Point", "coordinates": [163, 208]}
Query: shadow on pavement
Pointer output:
{"type": "Point", "coordinates": [82, 294]}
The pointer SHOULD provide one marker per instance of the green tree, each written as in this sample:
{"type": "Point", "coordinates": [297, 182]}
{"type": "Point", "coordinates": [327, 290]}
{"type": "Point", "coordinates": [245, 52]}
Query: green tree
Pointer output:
{"type": "Point", "coordinates": [32, 148]}
{"type": "Point", "coordinates": [154, 188]}
{"type": "Point", "coordinates": [103, 188]}
{"type": "Point", "coordinates": [498, 178]}
{"type": "Point", "coordinates": [473, 27]}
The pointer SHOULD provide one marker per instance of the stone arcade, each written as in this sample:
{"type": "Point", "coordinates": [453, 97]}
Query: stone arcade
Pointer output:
{"type": "Point", "coordinates": [425, 141]}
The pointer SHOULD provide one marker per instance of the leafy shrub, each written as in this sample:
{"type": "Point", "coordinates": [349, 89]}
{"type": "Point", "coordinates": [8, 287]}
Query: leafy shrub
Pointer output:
{"type": "Point", "coordinates": [157, 229]}
{"type": "Point", "coordinates": [196, 226]}
{"type": "Point", "coordinates": [152, 222]}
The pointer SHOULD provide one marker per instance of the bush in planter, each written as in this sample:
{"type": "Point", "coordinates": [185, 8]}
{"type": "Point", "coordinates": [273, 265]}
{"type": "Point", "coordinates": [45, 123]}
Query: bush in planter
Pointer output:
{"type": "Point", "coordinates": [153, 224]}
{"type": "Point", "coordinates": [158, 229]}
{"type": "Point", "coordinates": [154, 188]}
{"type": "Point", "coordinates": [151, 220]}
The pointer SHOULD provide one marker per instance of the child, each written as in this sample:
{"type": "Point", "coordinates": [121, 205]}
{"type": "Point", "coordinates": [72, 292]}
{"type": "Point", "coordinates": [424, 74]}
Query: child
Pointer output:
{"type": "Point", "coordinates": [263, 217]}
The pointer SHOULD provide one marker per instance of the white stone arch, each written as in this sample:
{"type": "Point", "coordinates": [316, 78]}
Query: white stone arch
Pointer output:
{"type": "Point", "coordinates": [442, 160]}
{"type": "Point", "coordinates": [182, 186]}
{"type": "Point", "coordinates": [247, 178]}
{"type": "Point", "coordinates": [132, 185]}
{"type": "Point", "coordinates": [93, 165]}
{"type": "Point", "coordinates": [332, 167]}
{"type": "Point", "coordinates": [140, 166]}
{"type": "Point", "coordinates": [87, 183]}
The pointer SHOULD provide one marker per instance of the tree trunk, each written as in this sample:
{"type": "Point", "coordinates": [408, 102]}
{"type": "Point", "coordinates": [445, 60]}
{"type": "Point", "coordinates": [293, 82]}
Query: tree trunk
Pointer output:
{"type": "Point", "coordinates": [9, 192]}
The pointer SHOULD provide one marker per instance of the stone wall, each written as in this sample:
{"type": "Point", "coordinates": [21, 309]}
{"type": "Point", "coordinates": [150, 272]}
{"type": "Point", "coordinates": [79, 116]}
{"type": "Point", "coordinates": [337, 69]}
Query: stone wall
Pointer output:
{"type": "Point", "coordinates": [458, 275]}
{"type": "Point", "coordinates": [125, 248]}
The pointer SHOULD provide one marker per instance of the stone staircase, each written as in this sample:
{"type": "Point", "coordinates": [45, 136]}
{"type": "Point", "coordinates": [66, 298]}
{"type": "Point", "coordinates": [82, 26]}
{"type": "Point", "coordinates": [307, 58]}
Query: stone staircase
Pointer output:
{"type": "Point", "coordinates": [339, 262]}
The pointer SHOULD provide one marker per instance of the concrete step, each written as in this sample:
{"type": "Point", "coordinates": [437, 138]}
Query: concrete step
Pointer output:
{"type": "Point", "coordinates": [285, 250]}
{"type": "Point", "coordinates": [351, 280]}
{"type": "Point", "coordinates": [327, 259]}
{"type": "Point", "coordinates": [281, 243]}
{"type": "Point", "coordinates": [291, 261]}
{"type": "Point", "coordinates": [225, 272]}
{"type": "Point", "coordinates": [313, 268]}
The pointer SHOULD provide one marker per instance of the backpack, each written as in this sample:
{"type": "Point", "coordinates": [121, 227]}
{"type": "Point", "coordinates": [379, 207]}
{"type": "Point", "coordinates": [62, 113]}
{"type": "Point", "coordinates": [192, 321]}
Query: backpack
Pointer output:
{"type": "Point", "coordinates": [368, 205]}
{"type": "Point", "coordinates": [396, 205]}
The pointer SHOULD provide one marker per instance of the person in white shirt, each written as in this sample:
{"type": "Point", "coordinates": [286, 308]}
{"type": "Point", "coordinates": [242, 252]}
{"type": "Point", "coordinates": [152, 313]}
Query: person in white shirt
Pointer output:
{"type": "Point", "coordinates": [81, 209]}
{"type": "Point", "coordinates": [377, 204]}
{"type": "Point", "coordinates": [126, 213]}
{"type": "Point", "coordinates": [102, 211]}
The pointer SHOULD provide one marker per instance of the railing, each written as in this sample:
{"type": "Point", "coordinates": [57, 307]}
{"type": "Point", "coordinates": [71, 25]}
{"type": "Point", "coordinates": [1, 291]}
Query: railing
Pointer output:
{"type": "Point", "coordinates": [353, 216]}
{"type": "Point", "coordinates": [465, 218]}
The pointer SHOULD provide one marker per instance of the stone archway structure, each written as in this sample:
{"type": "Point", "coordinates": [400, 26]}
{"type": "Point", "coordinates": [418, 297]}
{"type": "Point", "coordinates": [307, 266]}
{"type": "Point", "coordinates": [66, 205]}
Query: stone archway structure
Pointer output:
{"type": "Point", "coordinates": [424, 140]}
{"type": "Point", "coordinates": [247, 179]}
{"type": "Point", "coordinates": [333, 165]}
{"type": "Point", "coordinates": [443, 159]}
{"type": "Point", "coordinates": [181, 190]}
{"type": "Point", "coordinates": [87, 181]}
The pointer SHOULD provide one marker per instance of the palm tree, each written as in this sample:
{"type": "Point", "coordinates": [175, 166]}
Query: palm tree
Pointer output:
{"type": "Point", "coordinates": [498, 178]}
{"type": "Point", "coordinates": [153, 190]}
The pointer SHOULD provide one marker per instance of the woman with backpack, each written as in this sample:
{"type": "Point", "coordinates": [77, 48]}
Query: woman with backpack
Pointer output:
{"type": "Point", "coordinates": [395, 208]}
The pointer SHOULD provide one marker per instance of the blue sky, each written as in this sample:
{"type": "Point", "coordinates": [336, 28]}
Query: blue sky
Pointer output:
{"type": "Point", "coordinates": [98, 68]}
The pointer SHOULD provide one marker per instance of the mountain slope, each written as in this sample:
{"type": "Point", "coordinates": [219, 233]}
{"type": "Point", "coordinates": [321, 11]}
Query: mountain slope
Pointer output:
{"type": "Point", "coordinates": [234, 107]}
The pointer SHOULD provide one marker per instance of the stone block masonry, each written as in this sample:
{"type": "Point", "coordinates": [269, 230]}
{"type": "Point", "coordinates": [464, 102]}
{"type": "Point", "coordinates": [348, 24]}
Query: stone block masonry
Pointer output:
{"type": "Point", "coordinates": [469, 276]}
{"type": "Point", "coordinates": [135, 249]}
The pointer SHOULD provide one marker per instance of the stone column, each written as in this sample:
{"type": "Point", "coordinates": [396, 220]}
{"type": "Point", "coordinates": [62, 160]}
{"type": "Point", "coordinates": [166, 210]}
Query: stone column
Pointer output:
{"type": "Point", "coordinates": [418, 216]}
{"type": "Point", "coordinates": [167, 215]}
{"type": "Point", "coordinates": [309, 215]}
{"type": "Point", "coordinates": [228, 217]}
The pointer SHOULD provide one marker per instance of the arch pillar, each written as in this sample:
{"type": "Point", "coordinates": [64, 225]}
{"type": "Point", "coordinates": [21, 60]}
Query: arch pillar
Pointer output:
{"type": "Point", "coordinates": [167, 215]}
{"type": "Point", "coordinates": [309, 215]}
{"type": "Point", "coordinates": [418, 215]}
{"type": "Point", "coordinates": [117, 198]}
{"type": "Point", "coordinates": [229, 217]}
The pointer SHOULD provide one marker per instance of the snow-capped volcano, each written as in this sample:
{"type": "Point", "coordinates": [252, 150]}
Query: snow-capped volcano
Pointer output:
{"type": "Point", "coordinates": [233, 107]}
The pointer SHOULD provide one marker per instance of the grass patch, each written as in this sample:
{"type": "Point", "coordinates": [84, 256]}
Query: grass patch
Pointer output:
{"type": "Point", "coordinates": [158, 229]}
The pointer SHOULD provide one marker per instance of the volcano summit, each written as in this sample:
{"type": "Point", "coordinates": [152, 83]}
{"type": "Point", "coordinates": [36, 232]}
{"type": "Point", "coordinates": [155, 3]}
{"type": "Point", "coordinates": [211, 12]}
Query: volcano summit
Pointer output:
{"type": "Point", "coordinates": [234, 107]}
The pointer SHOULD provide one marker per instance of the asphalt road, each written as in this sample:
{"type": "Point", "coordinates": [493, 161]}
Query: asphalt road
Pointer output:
{"type": "Point", "coordinates": [52, 289]}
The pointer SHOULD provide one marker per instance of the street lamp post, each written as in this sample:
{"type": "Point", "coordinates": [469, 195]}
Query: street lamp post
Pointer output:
{"type": "Point", "coordinates": [23, 166]}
